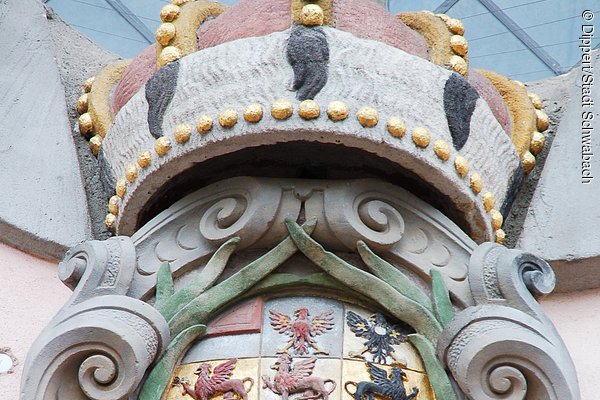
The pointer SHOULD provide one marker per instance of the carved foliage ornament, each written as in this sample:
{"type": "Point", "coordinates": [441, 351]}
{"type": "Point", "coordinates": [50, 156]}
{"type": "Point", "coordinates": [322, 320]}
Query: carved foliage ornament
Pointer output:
{"type": "Point", "coordinates": [103, 341]}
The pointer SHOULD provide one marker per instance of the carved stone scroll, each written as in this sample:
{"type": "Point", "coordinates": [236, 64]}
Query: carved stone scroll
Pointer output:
{"type": "Point", "coordinates": [101, 342]}
{"type": "Point", "coordinates": [504, 347]}
{"type": "Point", "coordinates": [395, 223]}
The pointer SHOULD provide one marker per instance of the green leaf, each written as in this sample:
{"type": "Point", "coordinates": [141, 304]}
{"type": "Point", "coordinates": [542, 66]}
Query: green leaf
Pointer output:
{"type": "Point", "coordinates": [159, 378]}
{"type": "Point", "coordinates": [204, 280]}
{"type": "Point", "coordinates": [282, 281]}
{"type": "Point", "coordinates": [390, 274]}
{"type": "Point", "coordinates": [164, 286]}
{"type": "Point", "coordinates": [200, 308]}
{"type": "Point", "coordinates": [441, 298]}
{"type": "Point", "coordinates": [435, 370]}
{"type": "Point", "coordinates": [369, 285]}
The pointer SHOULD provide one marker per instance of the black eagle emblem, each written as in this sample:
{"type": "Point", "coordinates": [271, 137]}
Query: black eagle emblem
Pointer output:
{"type": "Point", "coordinates": [391, 388]}
{"type": "Point", "coordinates": [380, 335]}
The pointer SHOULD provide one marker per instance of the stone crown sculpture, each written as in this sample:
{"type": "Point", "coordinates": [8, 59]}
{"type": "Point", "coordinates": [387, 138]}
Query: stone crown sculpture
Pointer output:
{"type": "Point", "coordinates": [321, 159]}
{"type": "Point", "coordinates": [470, 134]}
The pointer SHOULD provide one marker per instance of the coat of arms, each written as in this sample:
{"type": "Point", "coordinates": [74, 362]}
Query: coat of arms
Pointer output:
{"type": "Point", "coordinates": [207, 386]}
{"type": "Point", "coordinates": [380, 335]}
{"type": "Point", "coordinates": [297, 378]}
{"type": "Point", "coordinates": [302, 330]}
{"type": "Point", "coordinates": [391, 388]}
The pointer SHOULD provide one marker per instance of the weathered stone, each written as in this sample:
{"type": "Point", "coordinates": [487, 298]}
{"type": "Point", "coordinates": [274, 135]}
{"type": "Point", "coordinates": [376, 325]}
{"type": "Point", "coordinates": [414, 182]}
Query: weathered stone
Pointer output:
{"type": "Point", "coordinates": [563, 206]}
{"type": "Point", "coordinates": [43, 207]}
{"type": "Point", "coordinates": [349, 62]}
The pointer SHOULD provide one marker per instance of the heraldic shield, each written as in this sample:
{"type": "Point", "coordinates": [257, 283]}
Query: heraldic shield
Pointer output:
{"type": "Point", "coordinates": [302, 347]}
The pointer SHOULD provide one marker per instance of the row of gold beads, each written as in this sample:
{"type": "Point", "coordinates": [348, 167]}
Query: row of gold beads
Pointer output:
{"type": "Point", "coordinates": [166, 32]}
{"type": "Point", "coordinates": [538, 140]}
{"type": "Point", "coordinates": [283, 109]}
{"type": "Point", "coordinates": [458, 44]}
{"type": "Point", "coordinates": [85, 120]}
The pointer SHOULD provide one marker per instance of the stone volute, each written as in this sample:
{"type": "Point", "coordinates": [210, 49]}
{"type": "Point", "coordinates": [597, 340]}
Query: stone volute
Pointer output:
{"type": "Point", "coordinates": [304, 200]}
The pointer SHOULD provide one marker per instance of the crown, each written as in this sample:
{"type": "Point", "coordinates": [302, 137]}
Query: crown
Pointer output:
{"type": "Point", "coordinates": [271, 87]}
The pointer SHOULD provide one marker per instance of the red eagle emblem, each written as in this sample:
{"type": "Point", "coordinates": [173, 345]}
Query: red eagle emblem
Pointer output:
{"type": "Point", "coordinates": [207, 386]}
{"type": "Point", "coordinates": [302, 330]}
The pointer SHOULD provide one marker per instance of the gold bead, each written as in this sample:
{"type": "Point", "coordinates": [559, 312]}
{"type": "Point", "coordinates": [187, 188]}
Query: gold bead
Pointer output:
{"type": "Point", "coordinates": [367, 116]}
{"type": "Point", "coordinates": [131, 172]}
{"type": "Point", "coordinates": [497, 219]}
{"type": "Point", "coordinates": [86, 125]}
{"type": "Point", "coordinates": [441, 149]}
{"type": "Point", "coordinates": [144, 159]}
{"type": "Point", "coordinates": [169, 54]}
{"type": "Point", "coordinates": [458, 64]}
{"type": "Point", "coordinates": [542, 120]}
{"type": "Point", "coordinates": [459, 45]}
{"type": "Point", "coordinates": [537, 143]}
{"type": "Point", "coordinates": [312, 15]}
{"type": "Point", "coordinates": [110, 220]}
{"type": "Point", "coordinates": [461, 165]}
{"type": "Point", "coordinates": [82, 103]}
{"type": "Point", "coordinates": [165, 33]}
{"type": "Point", "coordinates": [228, 118]}
{"type": "Point", "coordinates": [420, 136]}
{"type": "Point", "coordinates": [476, 183]}
{"type": "Point", "coordinates": [528, 162]}
{"type": "Point", "coordinates": [162, 146]}
{"type": "Point", "coordinates": [455, 26]}
{"type": "Point", "coordinates": [281, 109]}
{"type": "Point", "coordinates": [182, 133]}
{"type": "Point", "coordinates": [113, 205]}
{"type": "Point", "coordinates": [337, 110]}
{"type": "Point", "coordinates": [396, 127]}
{"type": "Point", "coordinates": [204, 124]}
{"type": "Point", "coordinates": [96, 144]}
{"type": "Point", "coordinates": [309, 109]}
{"type": "Point", "coordinates": [253, 112]}
{"type": "Point", "coordinates": [500, 236]}
{"type": "Point", "coordinates": [179, 2]}
{"type": "Point", "coordinates": [535, 100]}
{"type": "Point", "coordinates": [443, 17]}
{"type": "Point", "coordinates": [169, 12]}
{"type": "Point", "coordinates": [87, 85]}
{"type": "Point", "coordinates": [488, 201]}
{"type": "Point", "coordinates": [121, 188]}
{"type": "Point", "coordinates": [521, 84]}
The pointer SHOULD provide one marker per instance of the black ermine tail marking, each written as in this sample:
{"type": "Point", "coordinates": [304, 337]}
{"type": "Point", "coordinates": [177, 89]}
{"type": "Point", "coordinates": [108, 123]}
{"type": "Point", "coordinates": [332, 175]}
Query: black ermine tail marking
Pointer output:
{"type": "Point", "coordinates": [308, 54]}
{"type": "Point", "coordinates": [160, 90]}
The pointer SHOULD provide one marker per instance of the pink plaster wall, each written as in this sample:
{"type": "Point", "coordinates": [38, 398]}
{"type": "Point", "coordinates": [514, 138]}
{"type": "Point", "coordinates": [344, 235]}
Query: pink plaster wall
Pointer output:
{"type": "Point", "coordinates": [577, 319]}
{"type": "Point", "coordinates": [30, 295]}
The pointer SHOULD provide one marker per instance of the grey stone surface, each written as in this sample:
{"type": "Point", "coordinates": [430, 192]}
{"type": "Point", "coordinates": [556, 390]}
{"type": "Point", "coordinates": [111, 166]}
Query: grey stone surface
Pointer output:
{"type": "Point", "coordinates": [561, 224]}
{"type": "Point", "coordinates": [504, 346]}
{"type": "Point", "coordinates": [101, 342]}
{"type": "Point", "coordinates": [392, 221]}
{"type": "Point", "coordinates": [43, 206]}
{"type": "Point", "coordinates": [252, 70]}
{"type": "Point", "coordinates": [555, 94]}
{"type": "Point", "coordinates": [77, 59]}
{"type": "Point", "coordinates": [220, 347]}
